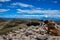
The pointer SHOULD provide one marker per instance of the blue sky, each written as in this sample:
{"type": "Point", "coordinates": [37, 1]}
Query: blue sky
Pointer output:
{"type": "Point", "coordinates": [21, 8]}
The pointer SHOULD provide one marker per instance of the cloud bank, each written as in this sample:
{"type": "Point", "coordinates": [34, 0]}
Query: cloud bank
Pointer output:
{"type": "Point", "coordinates": [39, 11]}
{"type": "Point", "coordinates": [21, 4]}
{"type": "Point", "coordinates": [4, 0]}
{"type": "Point", "coordinates": [4, 10]}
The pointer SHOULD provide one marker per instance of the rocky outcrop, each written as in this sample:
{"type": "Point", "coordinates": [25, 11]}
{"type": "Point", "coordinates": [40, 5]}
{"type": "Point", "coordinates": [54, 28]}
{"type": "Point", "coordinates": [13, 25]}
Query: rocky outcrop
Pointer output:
{"type": "Point", "coordinates": [29, 33]}
{"type": "Point", "coordinates": [35, 30]}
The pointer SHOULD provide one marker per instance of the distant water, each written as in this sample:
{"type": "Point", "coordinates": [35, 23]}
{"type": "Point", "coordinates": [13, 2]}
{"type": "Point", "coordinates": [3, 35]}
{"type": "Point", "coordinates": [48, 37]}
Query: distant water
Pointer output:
{"type": "Point", "coordinates": [50, 17]}
{"type": "Point", "coordinates": [54, 19]}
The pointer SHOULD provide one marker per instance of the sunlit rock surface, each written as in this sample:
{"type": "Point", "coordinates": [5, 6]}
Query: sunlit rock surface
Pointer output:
{"type": "Point", "coordinates": [31, 32]}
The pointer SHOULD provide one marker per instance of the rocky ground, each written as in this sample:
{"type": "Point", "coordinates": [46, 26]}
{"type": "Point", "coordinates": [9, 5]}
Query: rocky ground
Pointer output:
{"type": "Point", "coordinates": [35, 30]}
{"type": "Point", "coordinates": [29, 33]}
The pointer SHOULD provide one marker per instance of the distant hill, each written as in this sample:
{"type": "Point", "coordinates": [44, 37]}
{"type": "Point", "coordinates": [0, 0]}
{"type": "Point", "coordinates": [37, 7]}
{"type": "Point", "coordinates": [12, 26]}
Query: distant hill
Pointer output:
{"type": "Point", "coordinates": [8, 24]}
{"type": "Point", "coordinates": [2, 20]}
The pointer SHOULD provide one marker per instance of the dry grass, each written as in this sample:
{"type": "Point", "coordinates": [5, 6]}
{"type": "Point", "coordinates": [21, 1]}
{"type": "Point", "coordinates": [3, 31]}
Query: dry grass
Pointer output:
{"type": "Point", "coordinates": [6, 30]}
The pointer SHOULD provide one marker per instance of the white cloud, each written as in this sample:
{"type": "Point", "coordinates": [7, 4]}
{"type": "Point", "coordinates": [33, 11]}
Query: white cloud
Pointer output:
{"type": "Point", "coordinates": [21, 4]}
{"type": "Point", "coordinates": [47, 12]}
{"type": "Point", "coordinates": [4, 10]}
{"type": "Point", "coordinates": [4, 0]}
{"type": "Point", "coordinates": [34, 9]}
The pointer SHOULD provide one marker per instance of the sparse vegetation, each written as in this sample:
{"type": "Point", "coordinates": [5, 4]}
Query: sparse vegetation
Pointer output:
{"type": "Point", "coordinates": [10, 25]}
{"type": "Point", "coordinates": [36, 29]}
{"type": "Point", "coordinates": [6, 30]}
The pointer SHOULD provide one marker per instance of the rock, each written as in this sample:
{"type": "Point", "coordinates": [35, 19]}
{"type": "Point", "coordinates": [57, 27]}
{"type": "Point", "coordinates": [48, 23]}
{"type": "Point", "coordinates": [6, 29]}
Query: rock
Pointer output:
{"type": "Point", "coordinates": [1, 38]}
{"type": "Point", "coordinates": [29, 33]}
